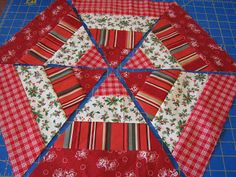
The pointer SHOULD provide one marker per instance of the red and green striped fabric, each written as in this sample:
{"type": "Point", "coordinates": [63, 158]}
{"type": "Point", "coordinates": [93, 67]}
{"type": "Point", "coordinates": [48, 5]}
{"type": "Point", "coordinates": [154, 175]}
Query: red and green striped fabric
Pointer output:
{"type": "Point", "coordinates": [107, 136]}
{"type": "Point", "coordinates": [116, 38]}
{"type": "Point", "coordinates": [67, 88]}
{"type": "Point", "coordinates": [46, 48]}
{"type": "Point", "coordinates": [155, 89]}
{"type": "Point", "coordinates": [179, 48]}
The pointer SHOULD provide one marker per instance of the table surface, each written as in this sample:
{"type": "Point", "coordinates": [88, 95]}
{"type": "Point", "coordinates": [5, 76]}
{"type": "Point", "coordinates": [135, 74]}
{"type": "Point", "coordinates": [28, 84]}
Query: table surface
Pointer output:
{"type": "Point", "coordinates": [217, 17]}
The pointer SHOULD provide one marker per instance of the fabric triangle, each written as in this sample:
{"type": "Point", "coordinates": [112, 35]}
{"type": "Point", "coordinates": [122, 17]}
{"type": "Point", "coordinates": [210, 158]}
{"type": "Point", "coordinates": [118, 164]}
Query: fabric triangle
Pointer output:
{"type": "Point", "coordinates": [135, 80]}
{"type": "Point", "coordinates": [116, 44]}
{"type": "Point", "coordinates": [139, 60]}
{"type": "Point", "coordinates": [111, 86]}
{"type": "Point", "coordinates": [92, 58]}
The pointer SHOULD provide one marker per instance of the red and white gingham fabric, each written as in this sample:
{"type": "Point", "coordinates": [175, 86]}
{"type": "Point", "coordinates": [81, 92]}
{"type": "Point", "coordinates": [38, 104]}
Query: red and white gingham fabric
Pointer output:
{"type": "Point", "coordinates": [92, 58]}
{"type": "Point", "coordinates": [18, 126]}
{"type": "Point", "coordinates": [139, 60]}
{"type": "Point", "coordinates": [201, 133]}
{"type": "Point", "coordinates": [121, 7]}
{"type": "Point", "coordinates": [111, 86]}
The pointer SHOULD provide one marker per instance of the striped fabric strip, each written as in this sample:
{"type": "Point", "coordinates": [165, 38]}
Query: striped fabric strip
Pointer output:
{"type": "Point", "coordinates": [107, 136]}
{"type": "Point", "coordinates": [14, 49]}
{"type": "Point", "coordinates": [116, 38]}
{"type": "Point", "coordinates": [179, 47]}
{"type": "Point", "coordinates": [67, 88]}
{"type": "Point", "coordinates": [53, 41]}
{"type": "Point", "coordinates": [155, 89]}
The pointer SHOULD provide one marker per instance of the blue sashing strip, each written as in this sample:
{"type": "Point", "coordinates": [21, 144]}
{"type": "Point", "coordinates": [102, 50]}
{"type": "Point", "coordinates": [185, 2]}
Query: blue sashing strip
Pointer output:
{"type": "Point", "coordinates": [201, 72]}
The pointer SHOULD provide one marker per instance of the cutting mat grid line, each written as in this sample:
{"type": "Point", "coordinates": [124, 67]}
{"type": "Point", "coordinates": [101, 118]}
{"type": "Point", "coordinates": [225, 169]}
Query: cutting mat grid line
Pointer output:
{"type": "Point", "coordinates": [217, 17]}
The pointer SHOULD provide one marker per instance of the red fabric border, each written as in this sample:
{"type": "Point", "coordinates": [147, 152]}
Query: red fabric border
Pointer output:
{"type": "Point", "coordinates": [203, 128]}
{"type": "Point", "coordinates": [17, 46]}
{"type": "Point", "coordinates": [94, 163]}
{"type": "Point", "coordinates": [20, 131]}
{"type": "Point", "coordinates": [198, 38]}
{"type": "Point", "coordinates": [121, 7]}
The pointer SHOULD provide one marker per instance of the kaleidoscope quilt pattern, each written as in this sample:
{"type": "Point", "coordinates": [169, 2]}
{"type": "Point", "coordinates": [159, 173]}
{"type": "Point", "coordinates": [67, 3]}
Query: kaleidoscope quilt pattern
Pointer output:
{"type": "Point", "coordinates": [145, 89]}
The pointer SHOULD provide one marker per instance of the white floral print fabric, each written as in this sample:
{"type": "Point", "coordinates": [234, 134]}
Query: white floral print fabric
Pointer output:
{"type": "Point", "coordinates": [110, 109]}
{"type": "Point", "coordinates": [43, 100]}
{"type": "Point", "coordinates": [119, 22]}
{"type": "Point", "coordinates": [159, 55]}
{"type": "Point", "coordinates": [177, 106]}
{"type": "Point", "coordinates": [72, 50]}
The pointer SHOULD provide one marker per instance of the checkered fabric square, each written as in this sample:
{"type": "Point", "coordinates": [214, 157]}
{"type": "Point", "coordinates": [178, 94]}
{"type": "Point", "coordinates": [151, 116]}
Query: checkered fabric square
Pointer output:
{"type": "Point", "coordinates": [111, 86]}
{"type": "Point", "coordinates": [92, 58]}
{"type": "Point", "coordinates": [139, 60]}
{"type": "Point", "coordinates": [19, 129]}
{"type": "Point", "coordinates": [121, 7]}
{"type": "Point", "coordinates": [201, 133]}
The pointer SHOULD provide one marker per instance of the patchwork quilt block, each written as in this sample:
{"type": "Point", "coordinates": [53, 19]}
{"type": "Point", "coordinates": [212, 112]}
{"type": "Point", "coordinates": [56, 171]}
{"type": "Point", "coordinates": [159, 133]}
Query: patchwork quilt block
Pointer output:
{"type": "Point", "coordinates": [115, 88]}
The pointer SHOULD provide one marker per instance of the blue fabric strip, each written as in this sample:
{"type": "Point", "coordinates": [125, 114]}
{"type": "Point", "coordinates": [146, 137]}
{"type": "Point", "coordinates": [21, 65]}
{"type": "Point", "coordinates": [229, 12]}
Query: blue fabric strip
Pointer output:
{"type": "Point", "coordinates": [203, 72]}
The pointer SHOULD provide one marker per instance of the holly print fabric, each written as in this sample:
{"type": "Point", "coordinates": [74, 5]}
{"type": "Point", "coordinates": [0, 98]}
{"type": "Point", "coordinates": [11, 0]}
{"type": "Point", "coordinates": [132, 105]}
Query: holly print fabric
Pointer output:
{"type": "Point", "coordinates": [158, 54]}
{"type": "Point", "coordinates": [123, 73]}
{"type": "Point", "coordinates": [70, 53]}
{"type": "Point", "coordinates": [177, 106]}
{"type": "Point", "coordinates": [43, 100]}
{"type": "Point", "coordinates": [110, 109]}
{"type": "Point", "coordinates": [119, 22]}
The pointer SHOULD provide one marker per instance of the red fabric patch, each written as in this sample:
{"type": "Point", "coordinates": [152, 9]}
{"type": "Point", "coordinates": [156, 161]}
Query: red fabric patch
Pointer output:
{"type": "Point", "coordinates": [139, 60]}
{"type": "Point", "coordinates": [115, 55]}
{"type": "Point", "coordinates": [111, 86]}
{"type": "Point", "coordinates": [198, 38]}
{"type": "Point", "coordinates": [120, 7]}
{"type": "Point", "coordinates": [33, 32]}
{"type": "Point", "coordinates": [135, 80]}
{"type": "Point", "coordinates": [201, 133]}
{"type": "Point", "coordinates": [94, 163]}
{"type": "Point", "coordinates": [18, 126]}
{"type": "Point", "coordinates": [88, 78]}
{"type": "Point", "coordinates": [92, 58]}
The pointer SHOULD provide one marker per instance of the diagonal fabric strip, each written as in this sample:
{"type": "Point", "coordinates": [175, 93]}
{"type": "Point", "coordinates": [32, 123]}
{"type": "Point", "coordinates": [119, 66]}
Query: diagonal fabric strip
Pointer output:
{"type": "Point", "coordinates": [67, 88]}
{"type": "Point", "coordinates": [201, 133]}
{"type": "Point", "coordinates": [177, 106]}
{"type": "Point", "coordinates": [33, 32]}
{"type": "Point", "coordinates": [199, 39]}
{"type": "Point", "coordinates": [179, 47]}
{"type": "Point", "coordinates": [155, 89]}
{"type": "Point", "coordinates": [53, 41]}
{"type": "Point", "coordinates": [48, 112]}
{"type": "Point", "coordinates": [18, 126]}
